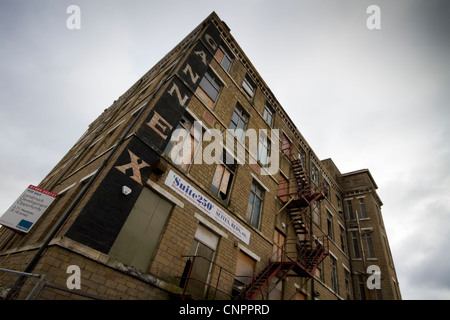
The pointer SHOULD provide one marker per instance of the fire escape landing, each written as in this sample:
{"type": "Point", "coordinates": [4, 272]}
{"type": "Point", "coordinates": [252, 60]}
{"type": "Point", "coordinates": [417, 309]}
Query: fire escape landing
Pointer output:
{"type": "Point", "coordinates": [299, 257]}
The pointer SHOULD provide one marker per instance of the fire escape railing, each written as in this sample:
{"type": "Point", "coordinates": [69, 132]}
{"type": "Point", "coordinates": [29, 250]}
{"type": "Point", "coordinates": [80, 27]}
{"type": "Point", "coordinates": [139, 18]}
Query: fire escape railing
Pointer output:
{"type": "Point", "coordinates": [301, 255]}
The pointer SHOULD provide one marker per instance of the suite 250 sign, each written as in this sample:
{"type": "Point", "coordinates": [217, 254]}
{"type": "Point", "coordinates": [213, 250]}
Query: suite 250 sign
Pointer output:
{"type": "Point", "coordinates": [184, 189]}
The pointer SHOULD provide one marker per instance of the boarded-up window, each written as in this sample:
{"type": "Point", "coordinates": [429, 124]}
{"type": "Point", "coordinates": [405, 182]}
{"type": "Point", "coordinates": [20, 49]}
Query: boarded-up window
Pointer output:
{"type": "Point", "coordinates": [244, 269]}
{"type": "Point", "coordinates": [286, 146]}
{"type": "Point", "coordinates": [278, 246]}
{"type": "Point", "coordinates": [203, 248]}
{"type": "Point", "coordinates": [223, 57]}
{"type": "Point", "coordinates": [254, 206]}
{"type": "Point", "coordinates": [140, 235]}
{"type": "Point", "coordinates": [276, 289]}
{"type": "Point", "coordinates": [223, 178]}
{"type": "Point", "coordinates": [283, 188]}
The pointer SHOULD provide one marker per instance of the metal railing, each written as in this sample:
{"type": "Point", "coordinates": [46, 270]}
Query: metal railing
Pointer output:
{"type": "Point", "coordinates": [205, 285]}
{"type": "Point", "coordinates": [195, 287]}
{"type": "Point", "coordinates": [5, 290]}
{"type": "Point", "coordinates": [10, 291]}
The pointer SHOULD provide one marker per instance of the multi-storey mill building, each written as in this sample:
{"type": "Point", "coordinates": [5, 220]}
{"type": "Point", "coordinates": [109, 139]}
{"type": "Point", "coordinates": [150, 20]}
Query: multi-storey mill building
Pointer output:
{"type": "Point", "coordinates": [142, 224]}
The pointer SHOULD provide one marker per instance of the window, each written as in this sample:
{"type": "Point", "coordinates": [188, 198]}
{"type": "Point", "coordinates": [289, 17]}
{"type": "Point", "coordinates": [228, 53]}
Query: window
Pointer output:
{"type": "Point", "coordinates": [302, 157]}
{"type": "Point", "coordinates": [239, 120]}
{"type": "Point", "coordinates": [339, 206]}
{"type": "Point", "coordinates": [355, 245]}
{"type": "Point", "coordinates": [184, 143]}
{"type": "Point", "coordinates": [330, 225]}
{"type": "Point", "coordinates": [370, 251]}
{"type": "Point", "coordinates": [223, 57]}
{"type": "Point", "coordinates": [279, 247]}
{"type": "Point", "coordinates": [362, 287]}
{"type": "Point", "coordinates": [203, 247]}
{"type": "Point", "coordinates": [221, 184]}
{"type": "Point", "coordinates": [315, 174]}
{"type": "Point", "coordinates": [283, 188]}
{"type": "Point", "coordinates": [327, 191]}
{"type": "Point", "coordinates": [350, 210]}
{"type": "Point", "coordinates": [223, 179]}
{"type": "Point", "coordinates": [209, 89]}
{"type": "Point", "coordinates": [263, 149]}
{"type": "Point", "coordinates": [342, 237]}
{"type": "Point", "coordinates": [140, 235]}
{"type": "Point", "coordinates": [316, 213]}
{"type": "Point", "coordinates": [255, 202]}
{"type": "Point", "coordinates": [248, 86]}
{"type": "Point", "coordinates": [334, 278]}
{"type": "Point", "coordinates": [319, 272]}
{"type": "Point", "coordinates": [275, 289]}
{"type": "Point", "coordinates": [268, 114]}
{"type": "Point", "coordinates": [347, 285]}
{"type": "Point", "coordinates": [244, 272]}
{"type": "Point", "coordinates": [286, 146]}
{"type": "Point", "coordinates": [362, 206]}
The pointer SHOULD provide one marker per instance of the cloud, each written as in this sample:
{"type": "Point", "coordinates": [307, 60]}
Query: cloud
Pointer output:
{"type": "Point", "coordinates": [367, 99]}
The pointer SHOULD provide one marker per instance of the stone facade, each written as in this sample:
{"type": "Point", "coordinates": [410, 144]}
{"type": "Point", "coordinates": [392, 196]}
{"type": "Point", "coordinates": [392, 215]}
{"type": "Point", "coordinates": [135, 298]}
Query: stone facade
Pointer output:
{"type": "Point", "coordinates": [114, 148]}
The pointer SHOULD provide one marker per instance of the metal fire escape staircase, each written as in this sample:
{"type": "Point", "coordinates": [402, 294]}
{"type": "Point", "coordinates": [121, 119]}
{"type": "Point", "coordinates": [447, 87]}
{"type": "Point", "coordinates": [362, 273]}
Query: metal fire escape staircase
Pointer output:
{"type": "Point", "coordinates": [307, 251]}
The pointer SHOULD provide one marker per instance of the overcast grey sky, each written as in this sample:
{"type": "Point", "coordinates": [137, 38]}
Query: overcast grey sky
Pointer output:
{"type": "Point", "coordinates": [376, 99]}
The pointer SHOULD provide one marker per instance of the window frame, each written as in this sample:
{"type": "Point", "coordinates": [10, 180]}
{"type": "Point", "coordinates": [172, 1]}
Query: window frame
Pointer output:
{"type": "Point", "coordinates": [269, 114]}
{"type": "Point", "coordinates": [249, 86]}
{"type": "Point", "coordinates": [315, 174]}
{"type": "Point", "coordinates": [231, 168]}
{"type": "Point", "coordinates": [362, 207]}
{"type": "Point", "coordinates": [240, 114]}
{"type": "Point", "coordinates": [266, 145]}
{"type": "Point", "coordinates": [251, 207]}
{"type": "Point", "coordinates": [286, 142]}
{"type": "Point", "coordinates": [192, 133]}
{"type": "Point", "coordinates": [225, 57]}
{"type": "Point", "coordinates": [334, 275]}
{"type": "Point", "coordinates": [342, 238]}
{"type": "Point", "coordinates": [351, 214]}
{"type": "Point", "coordinates": [330, 225]}
{"type": "Point", "coordinates": [369, 244]}
{"type": "Point", "coordinates": [213, 82]}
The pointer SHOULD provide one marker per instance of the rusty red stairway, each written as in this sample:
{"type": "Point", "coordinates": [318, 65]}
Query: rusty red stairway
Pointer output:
{"type": "Point", "coordinates": [309, 250]}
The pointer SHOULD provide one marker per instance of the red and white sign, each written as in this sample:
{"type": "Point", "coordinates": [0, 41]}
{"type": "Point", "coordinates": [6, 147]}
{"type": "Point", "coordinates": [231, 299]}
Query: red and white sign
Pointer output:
{"type": "Point", "coordinates": [27, 209]}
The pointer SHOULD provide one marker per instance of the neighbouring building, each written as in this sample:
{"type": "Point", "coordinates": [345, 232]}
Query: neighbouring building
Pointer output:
{"type": "Point", "coordinates": [146, 208]}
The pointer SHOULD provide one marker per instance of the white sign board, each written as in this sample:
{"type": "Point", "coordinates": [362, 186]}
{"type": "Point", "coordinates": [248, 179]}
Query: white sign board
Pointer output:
{"type": "Point", "coordinates": [27, 209]}
{"type": "Point", "coordinates": [183, 188]}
